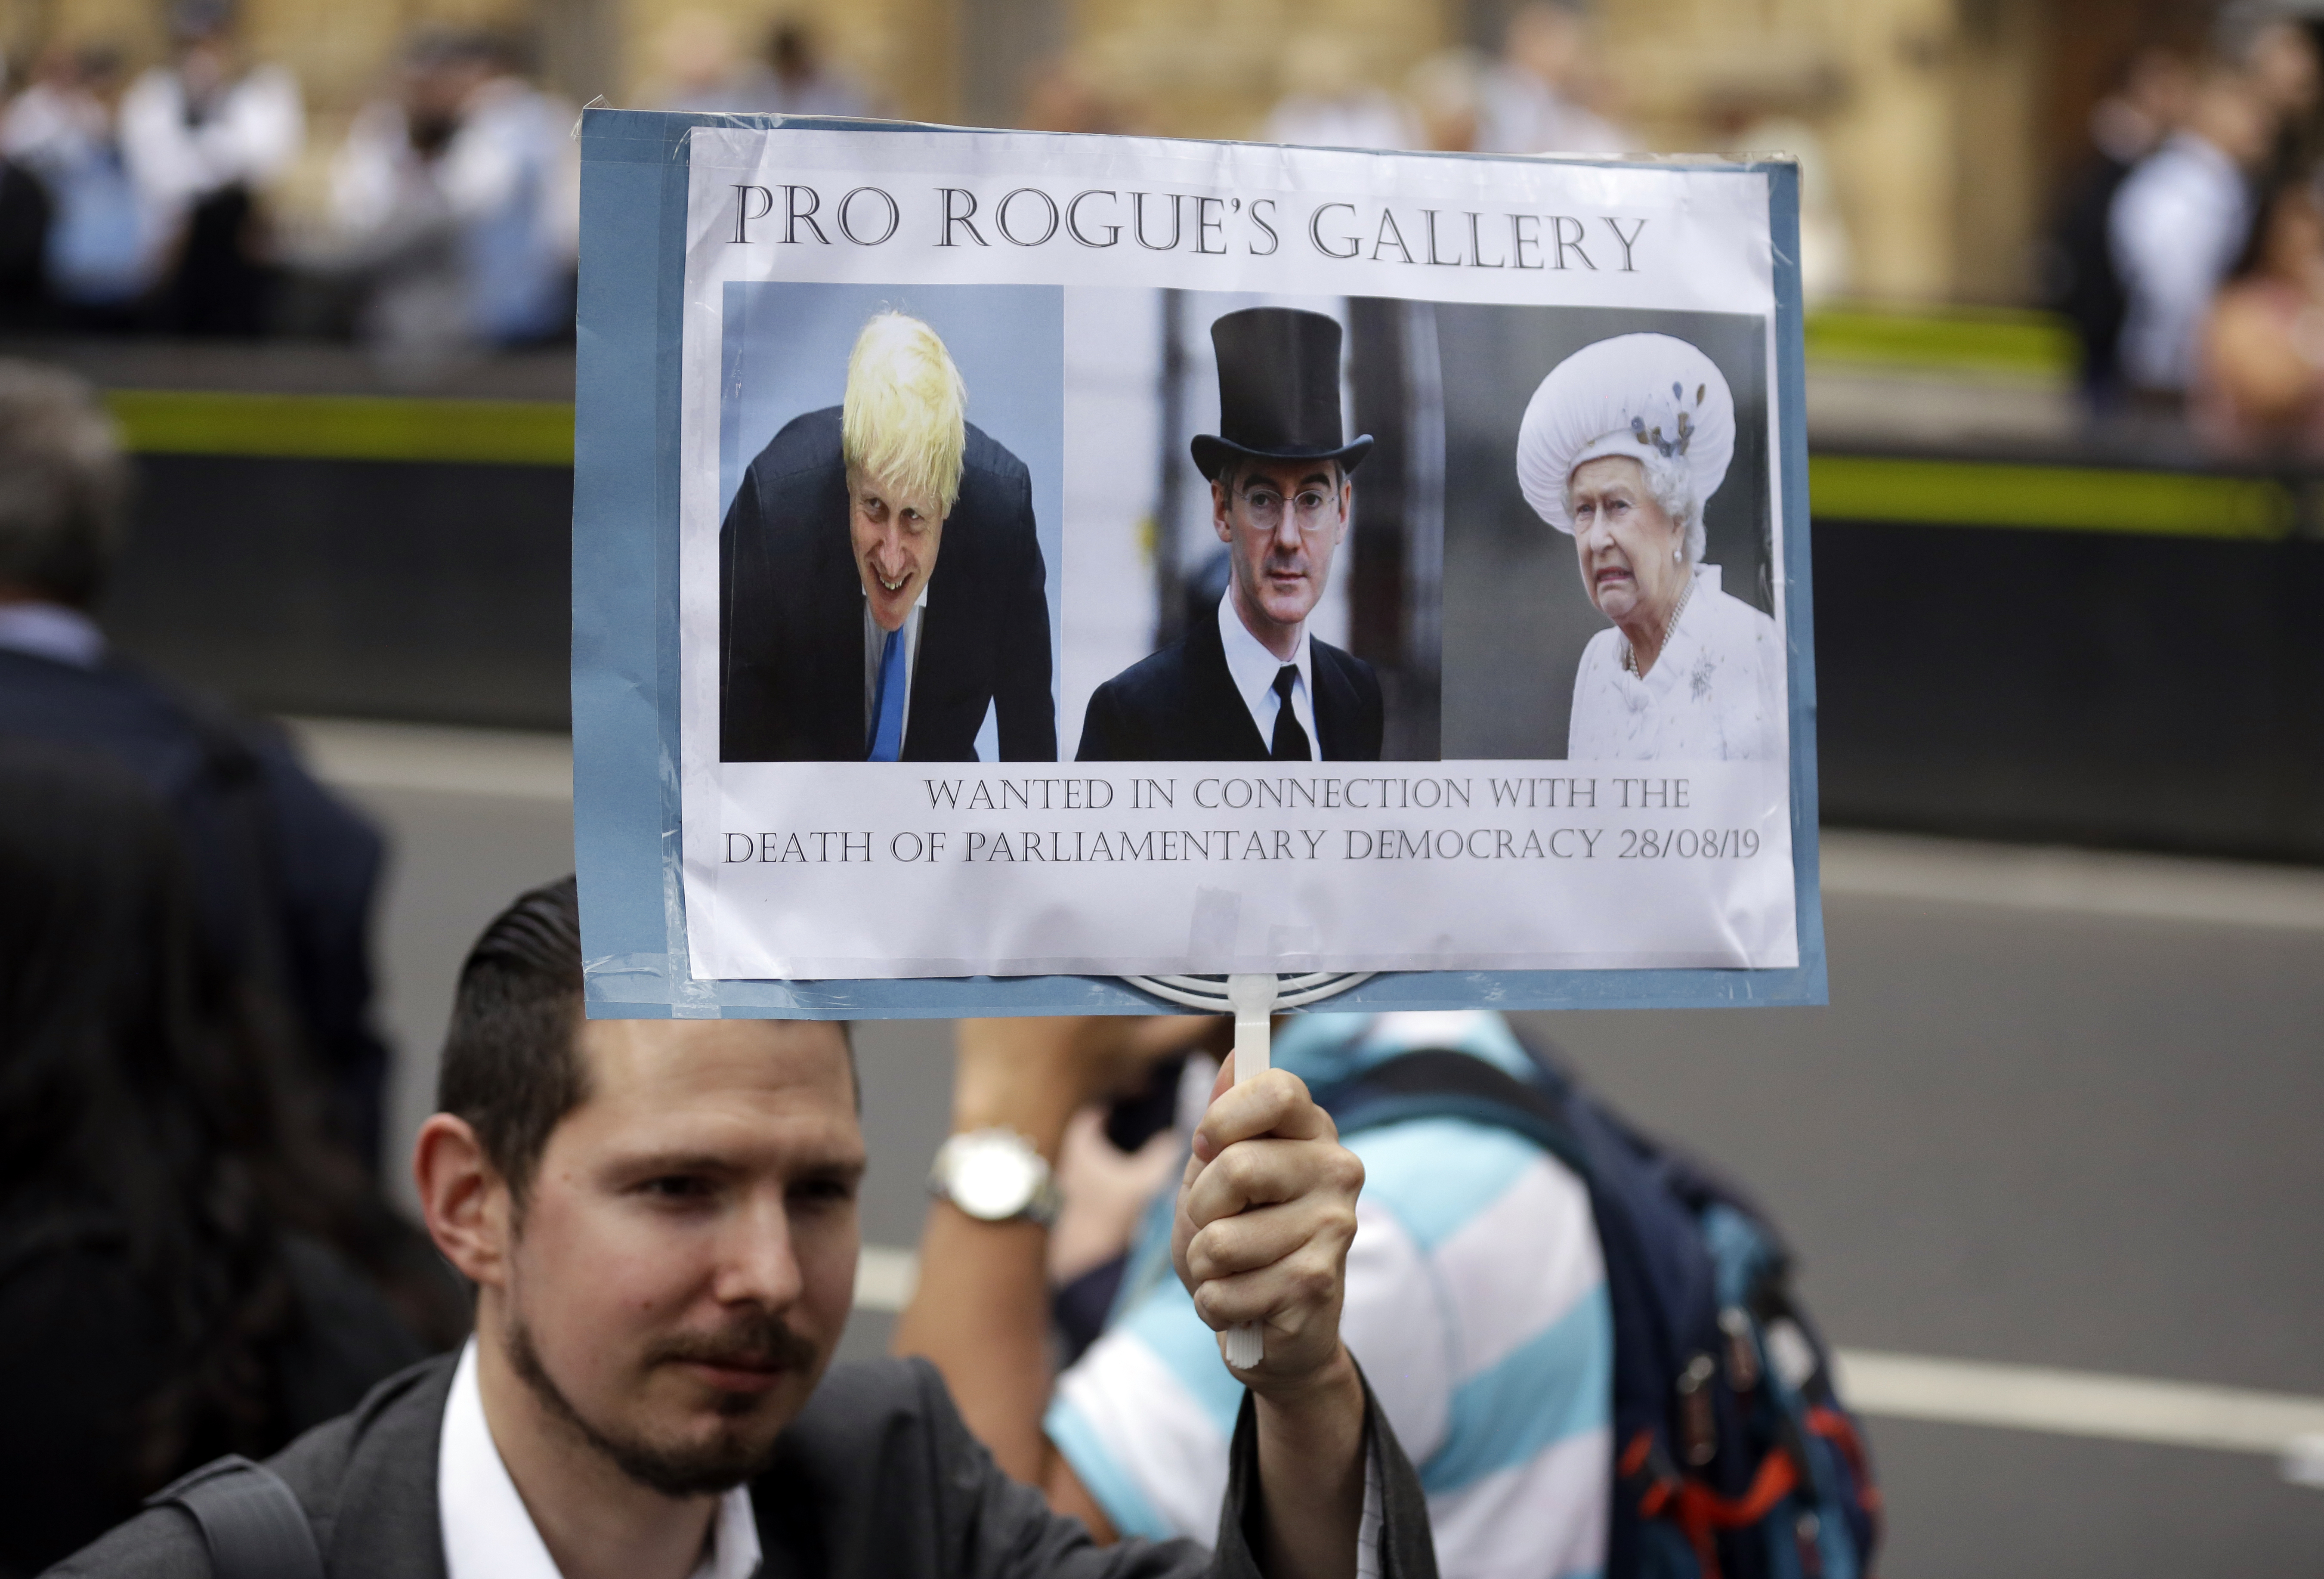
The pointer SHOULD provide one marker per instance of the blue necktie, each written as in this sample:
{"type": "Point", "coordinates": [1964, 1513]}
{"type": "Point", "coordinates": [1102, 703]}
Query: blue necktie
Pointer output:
{"type": "Point", "coordinates": [888, 711]}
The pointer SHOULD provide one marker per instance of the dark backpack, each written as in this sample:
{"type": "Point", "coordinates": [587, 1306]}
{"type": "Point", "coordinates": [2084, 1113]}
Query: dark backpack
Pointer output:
{"type": "Point", "coordinates": [1735, 1458]}
{"type": "Point", "coordinates": [251, 1521]}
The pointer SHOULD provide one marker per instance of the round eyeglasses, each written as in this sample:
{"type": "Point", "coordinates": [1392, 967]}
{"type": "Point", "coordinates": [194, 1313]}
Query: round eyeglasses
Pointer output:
{"type": "Point", "coordinates": [1311, 508]}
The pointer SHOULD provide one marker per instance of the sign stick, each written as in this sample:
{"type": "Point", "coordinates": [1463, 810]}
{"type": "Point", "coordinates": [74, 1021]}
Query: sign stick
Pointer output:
{"type": "Point", "coordinates": [1253, 1000]}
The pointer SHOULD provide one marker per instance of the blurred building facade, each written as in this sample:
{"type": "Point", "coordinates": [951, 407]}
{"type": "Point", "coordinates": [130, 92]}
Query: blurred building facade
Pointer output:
{"type": "Point", "coordinates": [1938, 129]}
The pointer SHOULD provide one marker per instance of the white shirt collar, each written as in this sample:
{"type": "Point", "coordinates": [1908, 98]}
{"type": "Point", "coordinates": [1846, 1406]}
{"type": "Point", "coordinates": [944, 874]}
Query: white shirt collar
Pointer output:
{"type": "Point", "coordinates": [1687, 632]}
{"type": "Point", "coordinates": [1253, 668]}
{"type": "Point", "coordinates": [489, 1535]}
{"type": "Point", "coordinates": [2190, 149]}
{"type": "Point", "coordinates": [51, 630]}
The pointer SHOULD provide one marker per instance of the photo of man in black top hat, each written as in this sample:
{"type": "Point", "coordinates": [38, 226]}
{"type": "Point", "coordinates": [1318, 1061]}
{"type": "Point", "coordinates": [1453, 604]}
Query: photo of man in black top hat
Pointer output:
{"type": "Point", "coordinates": [881, 586]}
{"type": "Point", "coordinates": [1253, 685]}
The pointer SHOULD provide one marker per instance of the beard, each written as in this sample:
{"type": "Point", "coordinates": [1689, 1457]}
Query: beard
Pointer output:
{"type": "Point", "coordinates": [737, 1452]}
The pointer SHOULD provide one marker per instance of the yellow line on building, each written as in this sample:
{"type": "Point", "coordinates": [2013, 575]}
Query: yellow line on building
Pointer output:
{"type": "Point", "coordinates": [345, 427]}
{"type": "Point", "coordinates": [1961, 493]}
{"type": "Point", "coordinates": [1973, 340]}
{"type": "Point", "coordinates": [1844, 487]}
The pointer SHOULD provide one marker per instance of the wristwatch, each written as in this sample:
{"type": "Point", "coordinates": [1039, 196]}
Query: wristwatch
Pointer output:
{"type": "Point", "coordinates": [995, 1176]}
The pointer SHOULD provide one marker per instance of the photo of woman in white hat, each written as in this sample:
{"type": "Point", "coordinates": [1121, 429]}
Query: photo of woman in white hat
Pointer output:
{"type": "Point", "coordinates": [1621, 445]}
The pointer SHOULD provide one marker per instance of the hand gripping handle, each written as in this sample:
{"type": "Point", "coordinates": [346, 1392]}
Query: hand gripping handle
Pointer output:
{"type": "Point", "coordinates": [1253, 999]}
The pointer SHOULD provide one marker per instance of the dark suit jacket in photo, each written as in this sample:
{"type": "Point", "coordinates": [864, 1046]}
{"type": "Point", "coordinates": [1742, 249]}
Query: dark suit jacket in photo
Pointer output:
{"type": "Point", "coordinates": [791, 613]}
{"type": "Point", "coordinates": [877, 1478]}
{"type": "Point", "coordinates": [1181, 706]}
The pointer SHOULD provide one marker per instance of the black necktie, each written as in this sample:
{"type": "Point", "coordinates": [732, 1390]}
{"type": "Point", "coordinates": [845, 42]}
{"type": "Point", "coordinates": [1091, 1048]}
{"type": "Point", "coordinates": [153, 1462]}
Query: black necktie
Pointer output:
{"type": "Point", "coordinates": [1290, 740]}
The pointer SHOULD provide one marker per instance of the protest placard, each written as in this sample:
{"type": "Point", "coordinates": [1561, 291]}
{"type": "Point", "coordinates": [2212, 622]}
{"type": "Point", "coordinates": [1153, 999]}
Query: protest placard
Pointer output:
{"type": "Point", "coordinates": [1007, 563]}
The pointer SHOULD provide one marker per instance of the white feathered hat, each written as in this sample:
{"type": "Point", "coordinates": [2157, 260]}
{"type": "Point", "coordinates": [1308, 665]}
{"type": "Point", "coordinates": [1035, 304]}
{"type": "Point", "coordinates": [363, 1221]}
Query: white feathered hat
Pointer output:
{"type": "Point", "coordinates": [1638, 395]}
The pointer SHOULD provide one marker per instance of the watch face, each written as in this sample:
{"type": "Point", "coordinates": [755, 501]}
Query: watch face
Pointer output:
{"type": "Point", "coordinates": [993, 1178]}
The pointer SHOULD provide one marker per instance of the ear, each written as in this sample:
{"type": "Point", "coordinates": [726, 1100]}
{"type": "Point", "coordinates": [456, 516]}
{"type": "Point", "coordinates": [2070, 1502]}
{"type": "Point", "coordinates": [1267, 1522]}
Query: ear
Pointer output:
{"type": "Point", "coordinates": [463, 1199]}
{"type": "Point", "coordinates": [1219, 522]}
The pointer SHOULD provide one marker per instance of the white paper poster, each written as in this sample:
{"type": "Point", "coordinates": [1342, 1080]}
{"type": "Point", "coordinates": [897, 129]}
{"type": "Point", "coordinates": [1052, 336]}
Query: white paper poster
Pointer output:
{"type": "Point", "coordinates": [1104, 555]}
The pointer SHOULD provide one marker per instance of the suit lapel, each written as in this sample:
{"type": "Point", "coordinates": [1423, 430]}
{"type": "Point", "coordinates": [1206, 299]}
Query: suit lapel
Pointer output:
{"type": "Point", "coordinates": [1225, 727]}
{"type": "Point", "coordinates": [387, 1524]}
{"type": "Point", "coordinates": [937, 663]}
{"type": "Point", "coordinates": [837, 607]}
{"type": "Point", "coordinates": [1336, 701]}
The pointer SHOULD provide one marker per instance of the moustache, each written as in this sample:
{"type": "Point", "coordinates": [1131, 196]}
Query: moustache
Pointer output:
{"type": "Point", "coordinates": [758, 1340]}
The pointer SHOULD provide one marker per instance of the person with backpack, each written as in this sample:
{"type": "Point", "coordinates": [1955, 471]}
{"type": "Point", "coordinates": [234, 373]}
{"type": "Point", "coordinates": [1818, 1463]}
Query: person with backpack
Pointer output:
{"type": "Point", "coordinates": [1476, 1303]}
{"type": "Point", "coordinates": [1587, 1342]}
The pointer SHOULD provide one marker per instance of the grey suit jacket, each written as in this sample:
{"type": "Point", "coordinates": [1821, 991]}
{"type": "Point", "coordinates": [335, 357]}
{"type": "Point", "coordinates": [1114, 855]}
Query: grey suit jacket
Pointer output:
{"type": "Point", "coordinates": [877, 1476]}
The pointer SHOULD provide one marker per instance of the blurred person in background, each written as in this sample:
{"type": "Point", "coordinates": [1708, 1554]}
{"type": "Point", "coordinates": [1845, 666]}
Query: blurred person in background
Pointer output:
{"type": "Point", "coordinates": [1447, 91]}
{"type": "Point", "coordinates": [398, 237]}
{"type": "Point", "coordinates": [284, 871]}
{"type": "Point", "coordinates": [1535, 95]}
{"type": "Point", "coordinates": [105, 246]}
{"type": "Point", "coordinates": [2080, 281]}
{"type": "Point", "coordinates": [186, 1268]}
{"type": "Point", "coordinates": [2274, 43]}
{"type": "Point", "coordinates": [696, 52]}
{"type": "Point", "coordinates": [805, 82]}
{"type": "Point", "coordinates": [24, 216]}
{"type": "Point", "coordinates": [1063, 94]}
{"type": "Point", "coordinates": [2177, 224]}
{"type": "Point", "coordinates": [460, 199]}
{"type": "Point", "coordinates": [1327, 104]}
{"type": "Point", "coordinates": [202, 137]}
{"type": "Point", "coordinates": [2260, 382]}
{"type": "Point", "coordinates": [702, 71]}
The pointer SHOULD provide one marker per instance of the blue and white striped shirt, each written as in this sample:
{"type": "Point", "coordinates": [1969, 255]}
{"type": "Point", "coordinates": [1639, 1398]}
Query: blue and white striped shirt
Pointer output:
{"type": "Point", "coordinates": [1476, 1304]}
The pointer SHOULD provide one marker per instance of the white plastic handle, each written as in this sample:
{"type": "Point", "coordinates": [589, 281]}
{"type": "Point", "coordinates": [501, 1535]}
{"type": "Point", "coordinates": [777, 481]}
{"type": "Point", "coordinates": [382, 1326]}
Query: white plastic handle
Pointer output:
{"type": "Point", "coordinates": [1253, 998]}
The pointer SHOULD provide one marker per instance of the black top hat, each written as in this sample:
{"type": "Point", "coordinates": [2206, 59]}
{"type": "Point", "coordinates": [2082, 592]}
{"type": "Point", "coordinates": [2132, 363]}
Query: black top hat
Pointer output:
{"type": "Point", "coordinates": [1278, 391]}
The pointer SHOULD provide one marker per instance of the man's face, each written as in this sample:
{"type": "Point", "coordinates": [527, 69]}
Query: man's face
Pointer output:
{"type": "Point", "coordinates": [686, 1257]}
{"type": "Point", "coordinates": [1281, 522]}
{"type": "Point", "coordinates": [896, 533]}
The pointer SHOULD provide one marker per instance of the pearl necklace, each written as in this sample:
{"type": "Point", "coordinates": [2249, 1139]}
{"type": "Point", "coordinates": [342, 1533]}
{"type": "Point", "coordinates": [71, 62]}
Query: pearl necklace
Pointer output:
{"type": "Point", "coordinates": [1630, 658]}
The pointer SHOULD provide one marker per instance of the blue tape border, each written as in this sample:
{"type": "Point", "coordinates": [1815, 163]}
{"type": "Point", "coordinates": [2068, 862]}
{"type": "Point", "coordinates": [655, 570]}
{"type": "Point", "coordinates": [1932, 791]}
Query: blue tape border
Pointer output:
{"type": "Point", "coordinates": [626, 813]}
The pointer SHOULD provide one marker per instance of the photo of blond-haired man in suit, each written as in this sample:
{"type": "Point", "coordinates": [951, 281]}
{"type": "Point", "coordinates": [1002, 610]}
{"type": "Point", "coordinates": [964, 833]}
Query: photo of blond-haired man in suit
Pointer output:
{"type": "Point", "coordinates": [881, 583]}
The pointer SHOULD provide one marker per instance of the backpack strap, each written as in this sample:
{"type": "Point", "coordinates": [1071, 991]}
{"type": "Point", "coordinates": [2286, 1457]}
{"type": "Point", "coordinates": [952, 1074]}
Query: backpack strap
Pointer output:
{"type": "Point", "coordinates": [250, 1519]}
{"type": "Point", "coordinates": [1438, 1082]}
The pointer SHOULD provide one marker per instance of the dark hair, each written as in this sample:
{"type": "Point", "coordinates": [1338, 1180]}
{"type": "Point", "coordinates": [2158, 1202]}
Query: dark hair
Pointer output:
{"type": "Point", "coordinates": [64, 485]}
{"type": "Point", "coordinates": [511, 1065]}
{"type": "Point", "coordinates": [791, 49]}
{"type": "Point", "coordinates": [149, 1099]}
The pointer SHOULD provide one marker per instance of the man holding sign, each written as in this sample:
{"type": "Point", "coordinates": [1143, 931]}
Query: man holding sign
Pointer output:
{"type": "Point", "coordinates": [838, 640]}
{"type": "Point", "coordinates": [659, 1220]}
{"type": "Point", "coordinates": [1253, 685]}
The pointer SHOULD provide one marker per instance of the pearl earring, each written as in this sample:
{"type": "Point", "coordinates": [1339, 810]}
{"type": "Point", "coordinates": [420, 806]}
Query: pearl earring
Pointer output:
{"type": "Point", "coordinates": [1674, 556]}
